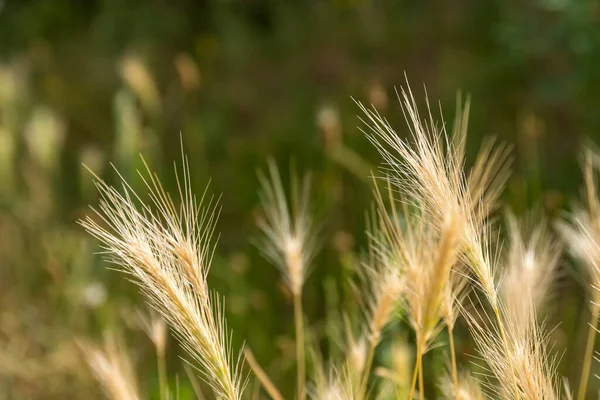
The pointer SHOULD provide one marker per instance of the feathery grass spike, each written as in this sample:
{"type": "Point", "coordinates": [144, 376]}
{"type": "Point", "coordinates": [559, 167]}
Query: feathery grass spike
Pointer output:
{"type": "Point", "coordinates": [167, 250]}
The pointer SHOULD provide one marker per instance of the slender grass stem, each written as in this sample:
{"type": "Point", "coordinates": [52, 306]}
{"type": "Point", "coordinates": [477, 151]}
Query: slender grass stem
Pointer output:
{"type": "Point", "coordinates": [300, 351]}
{"type": "Point", "coordinates": [421, 386]}
{"type": "Point", "coordinates": [453, 361]}
{"type": "Point", "coordinates": [162, 374]}
{"type": "Point", "coordinates": [262, 376]}
{"type": "Point", "coordinates": [589, 350]}
{"type": "Point", "coordinates": [413, 385]}
{"type": "Point", "coordinates": [367, 368]}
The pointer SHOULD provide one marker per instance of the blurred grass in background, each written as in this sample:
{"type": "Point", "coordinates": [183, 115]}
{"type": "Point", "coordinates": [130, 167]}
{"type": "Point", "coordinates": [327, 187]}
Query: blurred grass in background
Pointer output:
{"type": "Point", "coordinates": [101, 81]}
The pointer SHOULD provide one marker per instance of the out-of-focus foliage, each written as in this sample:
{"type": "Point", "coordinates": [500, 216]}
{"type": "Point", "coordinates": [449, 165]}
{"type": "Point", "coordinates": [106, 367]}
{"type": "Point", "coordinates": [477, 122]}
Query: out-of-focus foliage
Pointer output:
{"type": "Point", "coordinates": [100, 81]}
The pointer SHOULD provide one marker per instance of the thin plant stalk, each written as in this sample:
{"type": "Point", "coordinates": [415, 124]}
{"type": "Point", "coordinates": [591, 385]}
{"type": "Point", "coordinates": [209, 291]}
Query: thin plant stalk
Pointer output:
{"type": "Point", "coordinates": [413, 385]}
{"type": "Point", "coordinates": [589, 350]}
{"type": "Point", "coordinates": [262, 376]}
{"type": "Point", "coordinates": [162, 374]}
{"type": "Point", "coordinates": [367, 367]}
{"type": "Point", "coordinates": [421, 387]}
{"type": "Point", "coordinates": [300, 351]}
{"type": "Point", "coordinates": [453, 360]}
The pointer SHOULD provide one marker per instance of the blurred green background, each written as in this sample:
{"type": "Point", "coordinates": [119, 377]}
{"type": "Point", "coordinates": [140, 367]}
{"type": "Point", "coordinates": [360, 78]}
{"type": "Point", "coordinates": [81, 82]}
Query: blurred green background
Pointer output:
{"type": "Point", "coordinates": [100, 81]}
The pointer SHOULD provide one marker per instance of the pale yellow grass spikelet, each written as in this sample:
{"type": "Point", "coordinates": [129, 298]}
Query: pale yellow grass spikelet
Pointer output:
{"type": "Point", "coordinates": [521, 361]}
{"type": "Point", "coordinates": [422, 255]}
{"type": "Point", "coordinates": [423, 250]}
{"type": "Point", "coordinates": [383, 274]}
{"type": "Point", "coordinates": [581, 231]}
{"type": "Point", "coordinates": [289, 242]}
{"type": "Point", "coordinates": [383, 280]}
{"type": "Point", "coordinates": [431, 171]}
{"type": "Point", "coordinates": [112, 367]}
{"type": "Point", "coordinates": [289, 233]}
{"type": "Point", "coordinates": [582, 235]}
{"type": "Point", "coordinates": [167, 250]}
{"type": "Point", "coordinates": [532, 261]}
{"type": "Point", "coordinates": [357, 353]}
{"type": "Point", "coordinates": [333, 383]}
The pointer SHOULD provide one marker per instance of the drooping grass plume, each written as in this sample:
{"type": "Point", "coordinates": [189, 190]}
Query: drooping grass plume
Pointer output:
{"type": "Point", "coordinates": [531, 266]}
{"type": "Point", "coordinates": [581, 232]}
{"type": "Point", "coordinates": [167, 251]}
{"type": "Point", "coordinates": [113, 368]}
{"type": "Point", "coordinates": [290, 241]}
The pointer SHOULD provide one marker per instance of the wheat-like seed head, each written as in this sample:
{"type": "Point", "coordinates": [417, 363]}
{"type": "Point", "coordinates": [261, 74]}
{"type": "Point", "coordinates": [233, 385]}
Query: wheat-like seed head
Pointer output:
{"type": "Point", "coordinates": [431, 171]}
{"type": "Point", "coordinates": [167, 250]}
{"type": "Point", "coordinates": [422, 255]}
{"type": "Point", "coordinates": [521, 362]}
{"type": "Point", "coordinates": [289, 233]}
{"type": "Point", "coordinates": [382, 275]}
{"type": "Point", "coordinates": [581, 231]}
{"type": "Point", "coordinates": [112, 366]}
{"type": "Point", "coordinates": [532, 261]}
{"type": "Point", "coordinates": [333, 383]}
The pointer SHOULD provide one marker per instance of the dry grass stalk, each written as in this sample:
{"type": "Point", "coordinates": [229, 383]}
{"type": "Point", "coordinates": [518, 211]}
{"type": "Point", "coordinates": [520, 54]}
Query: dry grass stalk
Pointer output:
{"type": "Point", "coordinates": [289, 242]}
{"type": "Point", "coordinates": [167, 250]}
{"type": "Point", "coordinates": [332, 383]}
{"type": "Point", "coordinates": [289, 232]}
{"type": "Point", "coordinates": [582, 235]}
{"type": "Point", "coordinates": [112, 366]}
{"type": "Point", "coordinates": [261, 375]}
